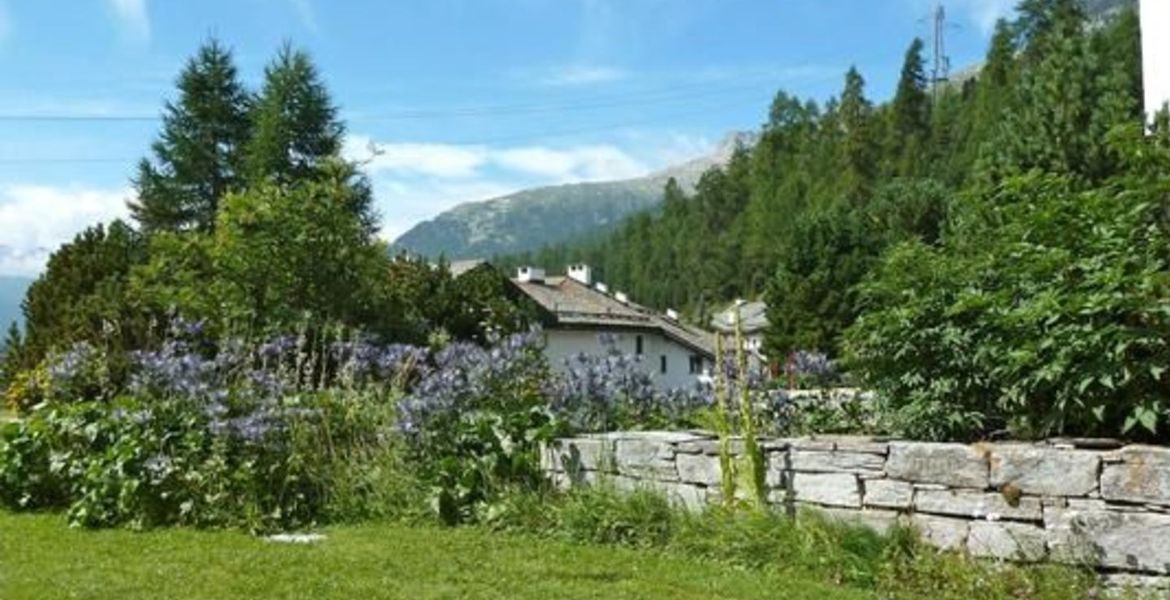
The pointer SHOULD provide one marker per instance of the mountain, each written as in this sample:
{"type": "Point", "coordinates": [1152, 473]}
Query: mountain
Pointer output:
{"type": "Point", "coordinates": [11, 294]}
{"type": "Point", "coordinates": [530, 219]}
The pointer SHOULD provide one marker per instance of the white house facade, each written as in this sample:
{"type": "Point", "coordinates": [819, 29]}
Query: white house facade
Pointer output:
{"type": "Point", "coordinates": [583, 314]}
{"type": "Point", "coordinates": [1155, 20]}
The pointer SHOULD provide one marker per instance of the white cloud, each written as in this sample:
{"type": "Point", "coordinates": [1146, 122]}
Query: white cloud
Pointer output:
{"type": "Point", "coordinates": [133, 18]}
{"type": "Point", "coordinates": [569, 75]}
{"type": "Point", "coordinates": [36, 219]}
{"type": "Point", "coordinates": [417, 181]}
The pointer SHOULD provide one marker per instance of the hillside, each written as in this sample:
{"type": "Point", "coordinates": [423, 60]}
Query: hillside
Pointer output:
{"type": "Point", "coordinates": [11, 294]}
{"type": "Point", "coordinates": [533, 218]}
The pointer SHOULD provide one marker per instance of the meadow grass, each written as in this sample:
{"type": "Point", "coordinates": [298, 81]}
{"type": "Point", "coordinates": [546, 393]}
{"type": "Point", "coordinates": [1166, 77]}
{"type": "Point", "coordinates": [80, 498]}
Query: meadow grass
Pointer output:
{"type": "Point", "coordinates": [42, 558]}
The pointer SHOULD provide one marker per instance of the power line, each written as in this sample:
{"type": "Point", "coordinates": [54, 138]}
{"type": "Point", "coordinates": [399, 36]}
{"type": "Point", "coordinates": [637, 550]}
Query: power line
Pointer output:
{"type": "Point", "coordinates": [480, 142]}
{"type": "Point", "coordinates": [612, 101]}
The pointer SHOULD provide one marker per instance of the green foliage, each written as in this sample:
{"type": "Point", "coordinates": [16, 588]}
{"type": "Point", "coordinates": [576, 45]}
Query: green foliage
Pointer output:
{"type": "Point", "coordinates": [197, 157]}
{"type": "Point", "coordinates": [1045, 311]}
{"type": "Point", "coordinates": [282, 253]}
{"type": "Point", "coordinates": [82, 297]}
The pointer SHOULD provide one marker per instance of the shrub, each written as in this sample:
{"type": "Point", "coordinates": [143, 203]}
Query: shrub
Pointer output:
{"type": "Point", "coordinates": [1045, 311]}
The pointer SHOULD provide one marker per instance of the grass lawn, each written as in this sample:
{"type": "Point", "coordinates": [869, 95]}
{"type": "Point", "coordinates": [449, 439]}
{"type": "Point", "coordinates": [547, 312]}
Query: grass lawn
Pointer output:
{"type": "Point", "coordinates": [40, 558]}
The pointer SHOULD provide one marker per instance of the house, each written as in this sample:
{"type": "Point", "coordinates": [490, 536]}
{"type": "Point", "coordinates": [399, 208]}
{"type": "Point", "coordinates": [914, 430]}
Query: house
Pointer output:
{"type": "Point", "coordinates": [753, 323]}
{"type": "Point", "coordinates": [1155, 22]}
{"type": "Point", "coordinates": [580, 311]}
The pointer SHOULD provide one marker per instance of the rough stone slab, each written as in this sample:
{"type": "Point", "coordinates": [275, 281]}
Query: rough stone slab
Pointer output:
{"type": "Point", "coordinates": [889, 493]}
{"type": "Point", "coordinates": [942, 532]}
{"type": "Point", "coordinates": [662, 437]}
{"type": "Point", "coordinates": [1113, 540]}
{"type": "Point", "coordinates": [881, 521]}
{"type": "Point", "coordinates": [1142, 475]}
{"type": "Point", "coordinates": [1045, 471]}
{"type": "Point", "coordinates": [955, 465]}
{"type": "Point", "coordinates": [977, 505]}
{"type": "Point", "coordinates": [830, 489]}
{"type": "Point", "coordinates": [708, 446]}
{"type": "Point", "coordinates": [1144, 586]}
{"type": "Point", "coordinates": [689, 497]}
{"type": "Point", "coordinates": [698, 468]}
{"type": "Point", "coordinates": [808, 443]}
{"type": "Point", "coordinates": [647, 458]}
{"type": "Point", "coordinates": [776, 477]}
{"type": "Point", "coordinates": [1007, 541]}
{"type": "Point", "coordinates": [836, 462]}
{"type": "Point", "coordinates": [854, 443]}
{"type": "Point", "coordinates": [591, 454]}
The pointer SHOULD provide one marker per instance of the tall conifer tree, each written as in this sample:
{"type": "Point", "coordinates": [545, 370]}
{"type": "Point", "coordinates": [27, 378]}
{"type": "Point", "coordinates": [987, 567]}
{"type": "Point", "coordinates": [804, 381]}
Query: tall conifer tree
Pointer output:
{"type": "Point", "coordinates": [197, 155]}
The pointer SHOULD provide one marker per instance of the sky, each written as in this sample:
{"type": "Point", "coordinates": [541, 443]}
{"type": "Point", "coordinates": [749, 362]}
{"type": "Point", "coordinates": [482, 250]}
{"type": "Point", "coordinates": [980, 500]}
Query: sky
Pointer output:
{"type": "Point", "coordinates": [464, 99]}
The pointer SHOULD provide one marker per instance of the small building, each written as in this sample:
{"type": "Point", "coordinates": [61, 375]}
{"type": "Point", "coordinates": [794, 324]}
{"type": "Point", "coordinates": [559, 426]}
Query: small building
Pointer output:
{"type": "Point", "coordinates": [580, 312]}
{"type": "Point", "coordinates": [753, 324]}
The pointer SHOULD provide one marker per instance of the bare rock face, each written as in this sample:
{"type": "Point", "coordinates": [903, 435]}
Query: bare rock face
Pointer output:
{"type": "Point", "coordinates": [955, 465]}
{"type": "Point", "coordinates": [1138, 474]}
{"type": "Point", "coordinates": [1043, 471]}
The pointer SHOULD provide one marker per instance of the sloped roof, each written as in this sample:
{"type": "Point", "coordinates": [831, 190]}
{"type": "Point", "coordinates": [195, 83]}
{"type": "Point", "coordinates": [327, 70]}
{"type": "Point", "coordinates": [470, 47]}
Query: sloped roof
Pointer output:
{"type": "Point", "coordinates": [459, 267]}
{"type": "Point", "coordinates": [571, 302]}
{"type": "Point", "coordinates": [753, 317]}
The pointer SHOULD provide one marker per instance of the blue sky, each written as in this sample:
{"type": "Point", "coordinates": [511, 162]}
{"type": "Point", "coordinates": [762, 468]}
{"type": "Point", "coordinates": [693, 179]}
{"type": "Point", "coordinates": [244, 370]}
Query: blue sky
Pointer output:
{"type": "Point", "coordinates": [467, 99]}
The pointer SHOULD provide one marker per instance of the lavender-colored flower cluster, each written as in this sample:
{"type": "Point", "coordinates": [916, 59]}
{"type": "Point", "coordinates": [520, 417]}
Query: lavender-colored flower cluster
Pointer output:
{"type": "Point", "coordinates": [600, 392]}
{"type": "Point", "coordinates": [815, 365]}
{"type": "Point", "coordinates": [465, 377]}
{"type": "Point", "coordinates": [77, 370]}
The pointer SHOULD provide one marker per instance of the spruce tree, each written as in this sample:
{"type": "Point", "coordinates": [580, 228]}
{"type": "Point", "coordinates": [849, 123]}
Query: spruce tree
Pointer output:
{"type": "Point", "coordinates": [297, 135]}
{"type": "Point", "coordinates": [858, 154]}
{"type": "Point", "coordinates": [295, 124]}
{"type": "Point", "coordinates": [910, 113]}
{"type": "Point", "coordinates": [197, 155]}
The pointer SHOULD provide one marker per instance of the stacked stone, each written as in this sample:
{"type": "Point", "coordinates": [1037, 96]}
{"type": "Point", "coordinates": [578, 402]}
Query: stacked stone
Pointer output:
{"type": "Point", "coordinates": [1108, 509]}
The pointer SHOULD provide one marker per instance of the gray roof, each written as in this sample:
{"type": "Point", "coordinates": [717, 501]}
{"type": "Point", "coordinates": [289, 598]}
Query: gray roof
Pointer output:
{"type": "Point", "coordinates": [459, 267]}
{"type": "Point", "coordinates": [573, 303]}
{"type": "Point", "coordinates": [753, 317]}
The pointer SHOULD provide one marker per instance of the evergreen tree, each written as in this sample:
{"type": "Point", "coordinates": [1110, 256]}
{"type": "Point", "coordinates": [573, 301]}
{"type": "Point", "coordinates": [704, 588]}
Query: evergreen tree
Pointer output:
{"type": "Point", "coordinates": [295, 124]}
{"type": "Point", "coordinates": [197, 155]}
{"type": "Point", "coordinates": [910, 114]}
{"type": "Point", "coordinates": [297, 135]}
{"type": "Point", "coordinates": [857, 155]}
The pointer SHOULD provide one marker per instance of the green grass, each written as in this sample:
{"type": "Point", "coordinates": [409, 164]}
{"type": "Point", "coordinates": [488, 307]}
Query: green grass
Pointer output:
{"type": "Point", "coordinates": [41, 558]}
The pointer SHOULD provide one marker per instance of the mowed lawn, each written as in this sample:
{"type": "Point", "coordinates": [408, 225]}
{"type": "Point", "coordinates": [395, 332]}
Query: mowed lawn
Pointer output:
{"type": "Point", "coordinates": [42, 559]}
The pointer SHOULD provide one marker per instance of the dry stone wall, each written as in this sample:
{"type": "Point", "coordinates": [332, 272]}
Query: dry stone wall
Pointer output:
{"type": "Point", "coordinates": [1058, 502]}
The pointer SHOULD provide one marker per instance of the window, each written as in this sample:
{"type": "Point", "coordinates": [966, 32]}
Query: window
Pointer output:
{"type": "Point", "coordinates": [662, 364]}
{"type": "Point", "coordinates": [696, 364]}
{"type": "Point", "coordinates": [638, 345]}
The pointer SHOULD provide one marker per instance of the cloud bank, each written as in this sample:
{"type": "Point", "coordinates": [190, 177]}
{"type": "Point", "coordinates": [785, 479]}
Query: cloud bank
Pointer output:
{"type": "Point", "coordinates": [36, 219]}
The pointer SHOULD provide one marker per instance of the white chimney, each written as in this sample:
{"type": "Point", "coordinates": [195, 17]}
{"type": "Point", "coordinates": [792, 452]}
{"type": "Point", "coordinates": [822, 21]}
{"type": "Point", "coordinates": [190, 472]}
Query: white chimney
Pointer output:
{"type": "Point", "coordinates": [622, 297]}
{"type": "Point", "coordinates": [601, 287]}
{"type": "Point", "coordinates": [672, 314]}
{"type": "Point", "coordinates": [530, 275]}
{"type": "Point", "coordinates": [581, 273]}
{"type": "Point", "coordinates": [1155, 22]}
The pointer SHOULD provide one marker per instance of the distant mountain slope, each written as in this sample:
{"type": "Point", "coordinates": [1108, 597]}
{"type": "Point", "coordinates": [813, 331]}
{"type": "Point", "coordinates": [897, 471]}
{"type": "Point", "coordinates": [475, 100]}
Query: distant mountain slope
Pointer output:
{"type": "Point", "coordinates": [11, 294]}
{"type": "Point", "coordinates": [530, 219]}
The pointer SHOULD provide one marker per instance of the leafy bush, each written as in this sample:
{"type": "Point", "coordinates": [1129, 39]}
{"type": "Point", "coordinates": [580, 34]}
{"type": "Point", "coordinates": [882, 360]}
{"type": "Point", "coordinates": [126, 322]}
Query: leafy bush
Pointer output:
{"type": "Point", "coordinates": [1045, 311]}
{"type": "Point", "coordinates": [255, 436]}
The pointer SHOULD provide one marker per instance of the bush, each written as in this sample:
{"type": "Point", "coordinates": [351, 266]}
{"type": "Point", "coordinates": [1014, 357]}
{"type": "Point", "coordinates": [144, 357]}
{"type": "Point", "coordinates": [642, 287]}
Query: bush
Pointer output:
{"type": "Point", "coordinates": [262, 437]}
{"type": "Point", "coordinates": [1045, 311]}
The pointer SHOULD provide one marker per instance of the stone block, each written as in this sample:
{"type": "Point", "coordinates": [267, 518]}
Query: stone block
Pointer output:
{"type": "Point", "coordinates": [880, 521]}
{"type": "Point", "coordinates": [589, 454]}
{"type": "Point", "coordinates": [698, 468]}
{"type": "Point", "coordinates": [830, 489]}
{"type": "Point", "coordinates": [942, 532]}
{"type": "Point", "coordinates": [836, 462]}
{"type": "Point", "coordinates": [1007, 541]}
{"type": "Point", "coordinates": [1142, 475]}
{"type": "Point", "coordinates": [1045, 471]}
{"type": "Point", "coordinates": [889, 493]}
{"type": "Point", "coordinates": [991, 506]}
{"type": "Point", "coordinates": [1106, 539]}
{"type": "Point", "coordinates": [646, 458]}
{"type": "Point", "coordinates": [955, 465]}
